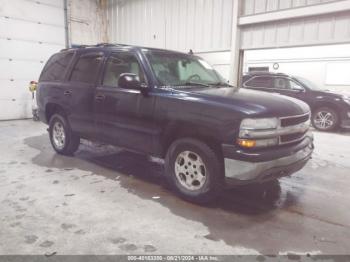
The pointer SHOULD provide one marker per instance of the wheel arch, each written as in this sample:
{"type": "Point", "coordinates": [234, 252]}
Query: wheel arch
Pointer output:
{"type": "Point", "coordinates": [177, 130]}
{"type": "Point", "coordinates": [51, 109]}
{"type": "Point", "coordinates": [321, 104]}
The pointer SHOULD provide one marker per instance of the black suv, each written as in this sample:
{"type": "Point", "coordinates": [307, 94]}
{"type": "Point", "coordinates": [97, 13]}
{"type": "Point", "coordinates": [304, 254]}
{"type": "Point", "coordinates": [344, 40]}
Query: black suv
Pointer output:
{"type": "Point", "coordinates": [329, 109]}
{"type": "Point", "coordinates": [174, 106]}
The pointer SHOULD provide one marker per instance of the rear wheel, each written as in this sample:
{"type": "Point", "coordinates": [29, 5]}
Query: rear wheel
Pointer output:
{"type": "Point", "coordinates": [63, 140]}
{"type": "Point", "coordinates": [193, 170]}
{"type": "Point", "coordinates": [325, 119]}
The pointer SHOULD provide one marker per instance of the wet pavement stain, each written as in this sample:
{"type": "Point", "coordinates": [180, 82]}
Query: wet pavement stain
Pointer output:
{"type": "Point", "coordinates": [149, 248]}
{"type": "Point", "coordinates": [46, 243]}
{"type": "Point", "coordinates": [19, 216]}
{"type": "Point", "coordinates": [228, 218]}
{"type": "Point", "coordinates": [80, 232]}
{"type": "Point", "coordinates": [128, 247]}
{"type": "Point", "coordinates": [118, 240]}
{"type": "Point", "coordinates": [30, 239]}
{"type": "Point", "coordinates": [67, 226]}
{"type": "Point", "coordinates": [69, 195]}
{"type": "Point", "coordinates": [24, 198]}
{"type": "Point", "coordinates": [17, 224]}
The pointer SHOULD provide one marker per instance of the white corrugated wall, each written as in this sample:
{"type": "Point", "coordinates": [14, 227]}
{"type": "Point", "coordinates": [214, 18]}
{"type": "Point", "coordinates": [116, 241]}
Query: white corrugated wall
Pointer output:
{"type": "Point", "coordinates": [251, 7]}
{"type": "Point", "coordinates": [201, 25]}
{"type": "Point", "coordinates": [30, 32]}
{"type": "Point", "coordinates": [290, 23]}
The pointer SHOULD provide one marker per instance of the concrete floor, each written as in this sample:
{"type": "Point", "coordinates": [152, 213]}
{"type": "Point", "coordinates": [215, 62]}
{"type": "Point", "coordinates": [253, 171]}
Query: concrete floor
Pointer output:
{"type": "Point", "coordinates": [105, 201]}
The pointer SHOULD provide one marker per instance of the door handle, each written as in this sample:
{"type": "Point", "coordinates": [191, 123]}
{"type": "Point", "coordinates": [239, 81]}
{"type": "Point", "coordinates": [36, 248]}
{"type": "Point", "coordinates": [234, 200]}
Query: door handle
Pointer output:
{"type": "Point", "coordinates": [67, 93]}
{"type": "Point", "coordinates": [99, 98]}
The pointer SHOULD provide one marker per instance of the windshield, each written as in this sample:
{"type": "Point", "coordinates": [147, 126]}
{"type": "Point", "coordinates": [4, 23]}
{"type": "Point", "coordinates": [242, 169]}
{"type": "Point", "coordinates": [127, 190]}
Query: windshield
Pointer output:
{"type": "Point", "coordinates": [183, 70]}
{"type": "Point", "coordinates": [308, 83]}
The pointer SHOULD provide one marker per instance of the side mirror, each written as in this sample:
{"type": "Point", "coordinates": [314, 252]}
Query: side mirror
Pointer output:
{"type": "Point", "coordinates": [129, 81]}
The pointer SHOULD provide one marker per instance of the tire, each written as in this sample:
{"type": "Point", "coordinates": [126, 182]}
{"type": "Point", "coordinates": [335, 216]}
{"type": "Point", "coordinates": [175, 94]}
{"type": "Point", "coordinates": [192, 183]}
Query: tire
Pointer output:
{"type": "Point", "coordinates": [63, 140]}
{"type": "Point", "coordinates": [325, 119]}
{"type": "Point", "coordinates": [194, 170]}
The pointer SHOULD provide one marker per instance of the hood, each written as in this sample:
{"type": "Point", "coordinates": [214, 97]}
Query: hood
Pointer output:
{"type": "Point", "coordinates": [251, 102]}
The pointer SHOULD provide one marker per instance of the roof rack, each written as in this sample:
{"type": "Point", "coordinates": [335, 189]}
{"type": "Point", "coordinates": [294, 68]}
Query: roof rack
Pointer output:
{"type": "Point", "coordinates": [97, 45]}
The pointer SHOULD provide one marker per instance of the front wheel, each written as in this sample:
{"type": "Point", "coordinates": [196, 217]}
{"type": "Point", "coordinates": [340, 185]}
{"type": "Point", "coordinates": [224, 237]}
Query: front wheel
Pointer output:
{"type": "Point", "coordinates": [62, 138]}
{"type": "Point", "coordinates": [325, 119]}
{"type": "Point", "coordinates": [193, 170]}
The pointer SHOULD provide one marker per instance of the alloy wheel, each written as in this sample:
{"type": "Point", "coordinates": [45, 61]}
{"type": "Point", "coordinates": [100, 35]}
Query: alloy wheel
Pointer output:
{"type": "Point", "coordinates": [58, 135]}
{"type": "Point", "coordinates": [190, 170]}
{"type": "Point", "coordinates": [324, 120]}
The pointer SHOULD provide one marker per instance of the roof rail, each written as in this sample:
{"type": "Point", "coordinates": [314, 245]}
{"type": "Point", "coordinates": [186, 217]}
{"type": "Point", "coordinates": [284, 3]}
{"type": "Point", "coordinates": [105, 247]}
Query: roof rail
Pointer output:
{"type": "Point", "coordinates": [97, 45]}
{"type": "Point", "coordinates": [110, 44]}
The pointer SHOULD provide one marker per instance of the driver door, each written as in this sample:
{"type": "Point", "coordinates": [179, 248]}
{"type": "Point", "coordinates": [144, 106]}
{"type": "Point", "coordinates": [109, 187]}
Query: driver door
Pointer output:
{"type": "Point", "coordinates": [123, 117]}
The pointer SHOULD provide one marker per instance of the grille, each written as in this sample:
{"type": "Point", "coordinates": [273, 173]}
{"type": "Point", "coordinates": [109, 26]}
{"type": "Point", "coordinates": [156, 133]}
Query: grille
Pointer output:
{"type": "Point", "coordinates": [294, 120]}
{"type": "Point", "coordinates": [291, 137]}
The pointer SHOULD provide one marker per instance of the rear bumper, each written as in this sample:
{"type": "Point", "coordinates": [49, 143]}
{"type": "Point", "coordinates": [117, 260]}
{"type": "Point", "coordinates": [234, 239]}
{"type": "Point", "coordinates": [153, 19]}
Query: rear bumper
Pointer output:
{"type": "Point", "coordinates": [42, 116]}
{"type": "Point", "coordinates": [248, 167]}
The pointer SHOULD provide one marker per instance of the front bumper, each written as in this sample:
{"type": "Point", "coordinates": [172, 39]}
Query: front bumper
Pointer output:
{"type": "Point", "coordinates": [257, 167]}
{"type": "Point", "coordinates": [345, 117]}
{"type": "Point", "coordinates": [345, 123]}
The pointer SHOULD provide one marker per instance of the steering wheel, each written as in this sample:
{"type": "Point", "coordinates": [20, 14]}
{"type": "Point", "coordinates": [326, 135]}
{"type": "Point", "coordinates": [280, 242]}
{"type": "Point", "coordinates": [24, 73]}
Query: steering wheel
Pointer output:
{"type": "Point", "coordinates": [193, 77]}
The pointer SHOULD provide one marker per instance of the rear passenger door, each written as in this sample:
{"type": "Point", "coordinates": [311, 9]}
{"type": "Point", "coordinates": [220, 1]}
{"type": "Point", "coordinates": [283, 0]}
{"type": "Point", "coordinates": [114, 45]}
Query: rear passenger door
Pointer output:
{"type": "Point", "coordinates": [80, 92]}
{"type": "Point", "coordinates": [124, 117]}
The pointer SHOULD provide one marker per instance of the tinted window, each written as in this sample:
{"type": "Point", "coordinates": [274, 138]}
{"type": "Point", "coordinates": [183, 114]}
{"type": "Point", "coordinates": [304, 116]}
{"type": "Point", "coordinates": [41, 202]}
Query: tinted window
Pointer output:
{"type": "Point", "coordinates": [87, 68]}
{"type": "Point", "coordinates": [260, 81]}
{"type": "Point", "coordinates": [295, 86]}
{"type": "Point", "coordinates": [119, 63]}
{"type": "Point", "coordinates": [56, 66]}
{"type": "Point", "coordinates": [281, 83]}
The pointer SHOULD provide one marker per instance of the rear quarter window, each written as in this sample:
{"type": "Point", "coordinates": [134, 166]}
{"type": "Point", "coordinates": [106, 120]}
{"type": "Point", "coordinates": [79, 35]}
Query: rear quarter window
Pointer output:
{"type": "Point", "coordinates": [55, 68]}
{"type": "Point", "coordinates": [87, 68]}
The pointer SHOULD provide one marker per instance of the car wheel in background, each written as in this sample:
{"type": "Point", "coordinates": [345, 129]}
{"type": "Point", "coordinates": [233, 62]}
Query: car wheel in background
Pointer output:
{"type": "Point", "coordinates": [325, 119]}
{"type": "Point", "coordinates": [63, 140]}
{"type": "Point", "coordinates": [193, 170]}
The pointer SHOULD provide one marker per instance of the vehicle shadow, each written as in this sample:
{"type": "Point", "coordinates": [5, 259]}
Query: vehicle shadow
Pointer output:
{"type": "Point", "coordinates": [143, 176]}
{"type": "Point", "coordinates": [249, 199]}
{"type": "Point", "coordinates": [233, 215]}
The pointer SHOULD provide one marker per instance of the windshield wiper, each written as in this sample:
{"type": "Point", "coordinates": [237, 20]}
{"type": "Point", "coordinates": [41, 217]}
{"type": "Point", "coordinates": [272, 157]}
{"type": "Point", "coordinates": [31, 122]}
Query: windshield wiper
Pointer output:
{"type": "Point", "coordinates": [193, 84]}
{"type": "Point", "coordinates": [218, 84]}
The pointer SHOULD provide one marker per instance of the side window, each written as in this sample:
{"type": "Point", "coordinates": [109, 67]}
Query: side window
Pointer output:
{"type": "Point", "coordinates": [295, 86]}
{"type": "Point", "coordinates": [260, 81]}
{"type": "Point", "coordinates": [56, 67]}
{"type": "Point", "coordinates": [87, 68]}
{"type": "Point", "coordinates": [119, 63]}
{"type": "Point", "coordinates": [281, 83]}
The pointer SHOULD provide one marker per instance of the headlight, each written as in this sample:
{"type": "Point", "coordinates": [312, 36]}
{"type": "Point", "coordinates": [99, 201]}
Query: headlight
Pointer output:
{"type": "Point", "coordinates": [250, 143]}
{"type": "Point", "coordinates": [250, 125]}
{"type": "Point", "coordinates": [260, 123]}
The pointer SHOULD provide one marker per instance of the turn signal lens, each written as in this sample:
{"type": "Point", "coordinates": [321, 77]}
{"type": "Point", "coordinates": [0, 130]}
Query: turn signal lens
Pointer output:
{"type": "Point", "coordinates": [246, 143]}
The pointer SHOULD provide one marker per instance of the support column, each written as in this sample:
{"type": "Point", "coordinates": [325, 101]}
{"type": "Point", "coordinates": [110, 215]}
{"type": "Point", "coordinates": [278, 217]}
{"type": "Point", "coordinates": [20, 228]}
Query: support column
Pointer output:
{"type": "Point", "coordinates": [236, 53]}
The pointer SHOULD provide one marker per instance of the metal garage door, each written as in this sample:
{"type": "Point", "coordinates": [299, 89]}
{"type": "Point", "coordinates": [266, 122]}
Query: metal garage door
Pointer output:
{"type": "Point", "coordinates": [30, 31]}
